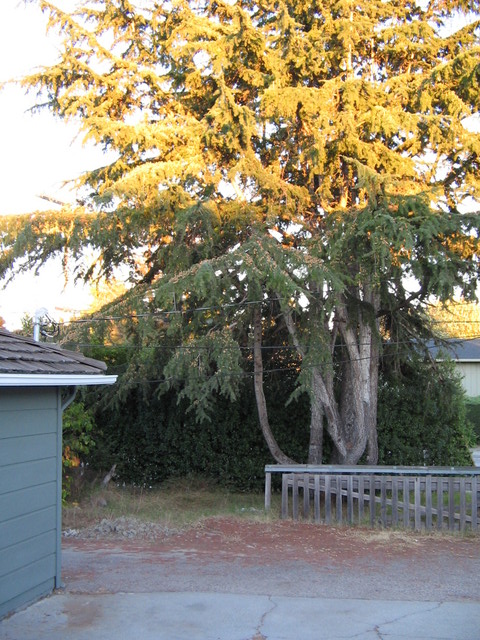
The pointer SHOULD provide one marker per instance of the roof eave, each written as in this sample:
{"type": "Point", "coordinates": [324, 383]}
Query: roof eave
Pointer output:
{"type": "Point", "coordinates": [54, 380]}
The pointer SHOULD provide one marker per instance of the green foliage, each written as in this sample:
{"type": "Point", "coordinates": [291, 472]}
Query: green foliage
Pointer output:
{"type": "Point", "coordinates": [27, 325]}
{"type": "Point", "coordinates": [473, 414]}
{"type": "Point", "coordinates": [422, 417]}
{"type": "Point", "coordinates": [152, 438]}
{"type": "Point", "coordinates": [336, 127]}
{"type": "Point", "coordinates": [78, 442]}
{"type": "Point", "coordinates": [162, 439]}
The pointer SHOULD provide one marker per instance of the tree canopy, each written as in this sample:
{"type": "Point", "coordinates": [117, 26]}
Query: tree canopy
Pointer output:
{"type": "Point", "coordinates": [302, 164]}
{"type": "Point", "coordinates": [457, 319]}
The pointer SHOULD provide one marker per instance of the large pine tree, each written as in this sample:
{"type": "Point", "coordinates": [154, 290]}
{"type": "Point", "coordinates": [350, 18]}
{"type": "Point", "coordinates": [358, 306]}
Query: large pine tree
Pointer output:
{"type": "Point", "coordinates": [304, 161]}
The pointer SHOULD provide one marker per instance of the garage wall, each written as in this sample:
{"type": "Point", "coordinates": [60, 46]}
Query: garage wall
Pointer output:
{"type": "Point", "coordinates": [471, 377]}
{"type": "Point", "coordinates": [28, 495]}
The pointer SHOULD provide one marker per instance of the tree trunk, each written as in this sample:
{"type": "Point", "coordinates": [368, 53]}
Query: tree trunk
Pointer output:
{"type": "Point", "coordinates": [315, 447]}
{"type": "Point", "coordinates": [272, 444]}
{"type": "Point", "coordinates": [352, 424]}
{"type": "Point", "coordinates": [359, 390]}
{"type": "Point", "coordinates": [322, 403]}
{"type": "Point", "coordinates": [371, 414]}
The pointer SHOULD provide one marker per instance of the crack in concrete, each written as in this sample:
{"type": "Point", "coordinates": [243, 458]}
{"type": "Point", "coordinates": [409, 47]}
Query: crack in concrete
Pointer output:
{"type": "Point", "coordinates": [259, 635]}
{"type": "Point", "coordinates": [378, 632]}
{"type": "Point", "coordinates": [377, 628]}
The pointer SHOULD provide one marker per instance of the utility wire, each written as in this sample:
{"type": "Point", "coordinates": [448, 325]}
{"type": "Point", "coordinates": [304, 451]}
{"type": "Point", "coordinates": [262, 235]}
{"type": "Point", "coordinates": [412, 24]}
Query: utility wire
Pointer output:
{"type": "Point", "coordinates": [294, 367]}
{"type": "Point", "coordinates": [274, 347]}
{"type": "Point", "coordinates": [162, 313]}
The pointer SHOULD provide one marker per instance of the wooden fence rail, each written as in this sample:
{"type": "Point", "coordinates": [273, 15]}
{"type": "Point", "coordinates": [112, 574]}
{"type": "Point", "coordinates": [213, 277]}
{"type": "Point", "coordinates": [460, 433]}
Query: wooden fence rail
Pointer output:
{"type": "Point", "coordinates": [409, 497]}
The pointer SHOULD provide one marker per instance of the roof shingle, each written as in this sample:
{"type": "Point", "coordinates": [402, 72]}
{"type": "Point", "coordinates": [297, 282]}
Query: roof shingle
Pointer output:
{"type": "Point", "coordinates": [21, 355]}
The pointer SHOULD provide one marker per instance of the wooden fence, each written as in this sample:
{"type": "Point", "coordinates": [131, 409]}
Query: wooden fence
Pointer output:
{"type": "Point", "coordinates": [408, 497]}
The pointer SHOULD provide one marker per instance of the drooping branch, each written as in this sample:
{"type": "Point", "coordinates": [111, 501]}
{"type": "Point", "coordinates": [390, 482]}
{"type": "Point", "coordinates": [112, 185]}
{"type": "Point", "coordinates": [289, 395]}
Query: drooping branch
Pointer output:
{"type": "Point", "coordinates": [272, 444]}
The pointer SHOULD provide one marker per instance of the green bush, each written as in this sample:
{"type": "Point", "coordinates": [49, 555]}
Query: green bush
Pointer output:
{"type": "Point", "coordinates": [421, 420]}
{"type": "Point", "coordinates": [422, 417]}
{"type": "Point", "coordinates": [473, 414]}
{"type": "Point", "coordinates": [159, 439]}
{"type": "Point", "coordinates": [78, 426]}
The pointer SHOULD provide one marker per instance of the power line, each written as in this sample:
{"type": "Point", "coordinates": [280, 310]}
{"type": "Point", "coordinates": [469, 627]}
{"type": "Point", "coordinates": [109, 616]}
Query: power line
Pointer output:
{"type": "Point", "coordinates": [182, 312]}
{"type": "Point", "coordinates": [294, 367]}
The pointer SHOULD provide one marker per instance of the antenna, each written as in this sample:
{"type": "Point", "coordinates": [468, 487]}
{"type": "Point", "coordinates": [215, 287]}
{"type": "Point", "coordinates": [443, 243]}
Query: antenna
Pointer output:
{"type": "Point", "coordinates": [39, 314]}
{"type": "Point", "coordinates": [43, 325]}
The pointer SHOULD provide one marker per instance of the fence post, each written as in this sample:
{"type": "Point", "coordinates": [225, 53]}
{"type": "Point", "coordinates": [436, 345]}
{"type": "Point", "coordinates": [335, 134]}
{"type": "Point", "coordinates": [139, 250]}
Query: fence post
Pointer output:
{"type": "Point", "coordinates": [268, 490]}
{"type": "Point", "coordinates": [474, 503]}
{"type": "Point", "coordinates": [285, 477]}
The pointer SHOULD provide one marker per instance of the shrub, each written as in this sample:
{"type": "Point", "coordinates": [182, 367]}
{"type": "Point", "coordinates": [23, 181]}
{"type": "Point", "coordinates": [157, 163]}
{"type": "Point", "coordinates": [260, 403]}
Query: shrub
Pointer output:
{"type": "Point", "coordinates": [421, 420]}
{"type": "Point", "coordinates": [473, 414]}
{"type": "Point", "coordinates": [157, 439]}
{"type": "Point", "coordinates": [78, 426]}
{"type": "Point", "coordinates": [422, 416]}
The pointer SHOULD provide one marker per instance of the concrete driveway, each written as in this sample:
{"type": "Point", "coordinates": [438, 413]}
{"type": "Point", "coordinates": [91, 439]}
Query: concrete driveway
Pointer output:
{"type": "Point", "coordinates": [215, 616]}
{"type": "Point", "coordinates": [235, 580]}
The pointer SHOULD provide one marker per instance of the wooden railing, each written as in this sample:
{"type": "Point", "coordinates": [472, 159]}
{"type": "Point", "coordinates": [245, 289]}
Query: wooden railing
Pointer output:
{"type": "Point", "coordinates": [409, 497]}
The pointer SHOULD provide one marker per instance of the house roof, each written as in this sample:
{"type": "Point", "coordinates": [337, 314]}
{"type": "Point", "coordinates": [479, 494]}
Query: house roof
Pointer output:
{"type": "Point", "coordinates": [25, 362]}
{"type": "Point", "coordinates": [460, 350]}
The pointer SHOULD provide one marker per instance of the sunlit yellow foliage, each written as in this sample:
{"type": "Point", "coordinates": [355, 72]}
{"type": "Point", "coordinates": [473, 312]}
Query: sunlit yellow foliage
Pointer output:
{"type": "Point", "coordinates": [457, 319]}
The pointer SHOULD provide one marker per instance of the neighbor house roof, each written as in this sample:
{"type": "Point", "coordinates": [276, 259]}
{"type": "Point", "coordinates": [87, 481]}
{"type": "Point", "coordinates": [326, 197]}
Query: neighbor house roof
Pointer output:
{"type": "Point", "coordinates": [459, 350]}
{"type": "Point", "coordinates": [25, 362]}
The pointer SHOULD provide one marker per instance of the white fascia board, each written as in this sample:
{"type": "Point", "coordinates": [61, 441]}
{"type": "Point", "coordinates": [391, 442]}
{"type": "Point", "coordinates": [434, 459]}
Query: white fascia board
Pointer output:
{"type": "Point", "coordinates": [53, 380]}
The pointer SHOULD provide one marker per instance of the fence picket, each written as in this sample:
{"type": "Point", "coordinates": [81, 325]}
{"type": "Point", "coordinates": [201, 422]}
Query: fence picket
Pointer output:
{"type": "Point", "coordinates": [440, 492]}
{"type": "Point", "coordinates": [350, 499]}
{"type": "Point", "coordinates": [409, 492]}
{"type": "Point", "coordinates": [338, 500]}
{"type": "Point", "coordinates": [463, 504]}
{"type": "Point", "coordinates": [285, 479]}
{"type": "Point", "coordinates": [383, 501]}
{"type": "Point", "coordinates": [316, 497]}
{"type": "Point", "coordinates": [474, 503]}
{"type": "Point", "coordinates": [428, 503]}
{"type": "Point", "coordinates": [306, 495]}
{"type": "Point", "coordinates": [406, 502]}
{"type": "Point", "coordinates": [361, 498]}
{"type": "Point", "coordinates": [295, 496]}
{"type": "Point", "coordinates": [328, 501]}
{"type": "Point", "coordinates": [451, 504]}
{"type": "Point", "coordinates": [370, 481]}
{"type": "Point", "coordinates": [395, 501]}
{"type": "Point", "coordinates": [417, 504]}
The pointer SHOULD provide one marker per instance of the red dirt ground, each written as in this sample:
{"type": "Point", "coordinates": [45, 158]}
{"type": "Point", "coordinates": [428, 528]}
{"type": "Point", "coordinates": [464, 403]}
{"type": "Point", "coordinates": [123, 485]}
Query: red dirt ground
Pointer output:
{"type": "Point", "coordinates": [283, 541]}
{"type": "Point", "coordinates": [230, 555]}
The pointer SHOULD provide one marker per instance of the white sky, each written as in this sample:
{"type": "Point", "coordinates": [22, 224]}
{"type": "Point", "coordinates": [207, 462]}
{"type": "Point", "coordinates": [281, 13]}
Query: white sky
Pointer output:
{"type": "Point", "coordinates": [39, 153]}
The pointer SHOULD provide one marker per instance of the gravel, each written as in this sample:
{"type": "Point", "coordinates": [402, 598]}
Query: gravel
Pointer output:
{"type": "Point", "coordinates": [123, 528]}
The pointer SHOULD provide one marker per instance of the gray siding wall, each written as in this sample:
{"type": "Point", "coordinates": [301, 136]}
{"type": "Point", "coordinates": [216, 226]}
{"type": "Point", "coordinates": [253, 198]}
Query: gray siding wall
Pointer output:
{"type": "Point", "coordinates": [28, 495]}
{"type": "Point", "coordinates": [471, 377]}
